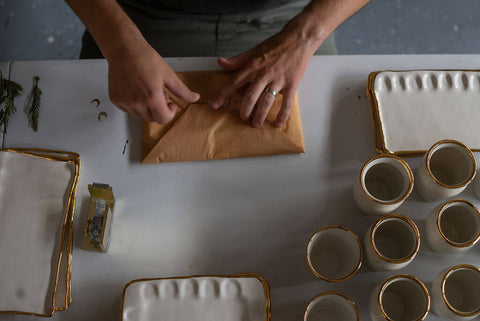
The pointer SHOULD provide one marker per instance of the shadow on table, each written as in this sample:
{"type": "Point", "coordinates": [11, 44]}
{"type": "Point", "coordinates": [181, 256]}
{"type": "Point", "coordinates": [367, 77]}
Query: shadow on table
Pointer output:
{"type": "Point", "coordinates": [134, 146]}
{"type": "Point", "coordinates": [103, 305]}
{"type": "Point", "coordinates": [81, 217]}
{"type": "Point", "coordinates": [350, 145]}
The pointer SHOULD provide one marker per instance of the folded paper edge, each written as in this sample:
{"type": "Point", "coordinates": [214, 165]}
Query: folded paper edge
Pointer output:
{"type": "Point", "coordinates": [296, 147]}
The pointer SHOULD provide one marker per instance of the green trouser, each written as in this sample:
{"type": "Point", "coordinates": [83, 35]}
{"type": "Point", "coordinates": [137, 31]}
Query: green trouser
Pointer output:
{"type": "Point", "coordinates": [174, 33]}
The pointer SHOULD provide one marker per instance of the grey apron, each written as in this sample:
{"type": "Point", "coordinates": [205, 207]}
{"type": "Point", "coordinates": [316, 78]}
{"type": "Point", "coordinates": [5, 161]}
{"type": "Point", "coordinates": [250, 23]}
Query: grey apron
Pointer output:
{"type": "Point", "coordinates": [182, 29]}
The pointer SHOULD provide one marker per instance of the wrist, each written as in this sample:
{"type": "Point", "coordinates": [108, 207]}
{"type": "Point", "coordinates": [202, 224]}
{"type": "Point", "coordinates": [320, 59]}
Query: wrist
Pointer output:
{"type": "Point", "coordinates": [308, 30]}
{"type": "Point", "coordinates": [115, 34]}
{"type": "Point", "coordinates": [123, 45]}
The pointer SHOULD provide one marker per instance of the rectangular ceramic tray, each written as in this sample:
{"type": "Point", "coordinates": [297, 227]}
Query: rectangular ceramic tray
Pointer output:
{"type": "Point", "coordinates": [411, 110]}
{"type": "Point", "coordinates": [36, 211]}
{"type": "Point", "coordinates": [240, 297]}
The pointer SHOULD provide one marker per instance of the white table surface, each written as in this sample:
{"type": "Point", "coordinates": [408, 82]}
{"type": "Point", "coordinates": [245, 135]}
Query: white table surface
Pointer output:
{"type": "Point", "coordinates": [224, 216]}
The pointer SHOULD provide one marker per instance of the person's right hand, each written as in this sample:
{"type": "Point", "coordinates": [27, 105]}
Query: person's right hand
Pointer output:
{"type": "Point", "coordinates": [136, 81]}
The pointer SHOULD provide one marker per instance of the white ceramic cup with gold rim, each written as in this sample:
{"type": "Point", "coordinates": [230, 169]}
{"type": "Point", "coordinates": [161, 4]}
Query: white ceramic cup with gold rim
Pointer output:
{"type": "Point", "coordinates": [385, 181]}
{"type": "Point", "coordinates": [445, 171]}
{"type": "Point", "coordinates": [456, 293]}
{"type": "Point", "coordinates": [392, 242]}
{"type": "Point", "coordinates": [453, 227]}
{"type": "Point", "coordinates": [400, 298]}
{"type": "Point", "coordinates": [334, 253]}
{"type": "Point", "coordinates": [476, 186]}
{"type": "Point", "coordinates": [328, 306]}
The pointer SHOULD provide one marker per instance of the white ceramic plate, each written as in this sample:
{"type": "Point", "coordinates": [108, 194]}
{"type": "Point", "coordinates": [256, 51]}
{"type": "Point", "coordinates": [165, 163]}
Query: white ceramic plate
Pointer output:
{"type": "Point", "coordinates": [243, 297]}
{"type": "Point", "coordinates": [412, 110]}
{"type": "Point", "coordinates": [36, 210]}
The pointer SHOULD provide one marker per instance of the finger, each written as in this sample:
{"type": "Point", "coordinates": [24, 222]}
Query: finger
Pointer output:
{"type": "Point", "coordinates": [130, 111]}
{"type": "Point", "coordinates": [145, 114]}
{"type": "Point", "coordinates": [250, 98]}
{"type": "Point", "coordinates": [287, 105]}
{"type": "Point", "coordinates": [236, 81]}
{"type": "Point", "coordinates": [160, 109]}
{"type": "Point", "coordinates": [179, 89]}
{"type": "Point", "coordinates": [172, 106]}
{"type": "Point", "coordinates": [263, 107]}
{"type": "Point", "coordinates": [159, 117]}
{"type": "Point", "coordinates": [234, 63]}
{"type": "Point", "coordinates": [122, 108]}
{"type": "Point", "coordinates": [117, 103]}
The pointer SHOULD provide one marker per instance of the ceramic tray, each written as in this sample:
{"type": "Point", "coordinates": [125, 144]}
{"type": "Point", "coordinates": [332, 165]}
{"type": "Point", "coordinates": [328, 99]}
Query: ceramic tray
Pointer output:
{"type": "Point", "coordinates": [411, 110]}
{"type": "Point", "coordinates": [37, 201]}
{"type": "Point", "coordinates": [242, 297]}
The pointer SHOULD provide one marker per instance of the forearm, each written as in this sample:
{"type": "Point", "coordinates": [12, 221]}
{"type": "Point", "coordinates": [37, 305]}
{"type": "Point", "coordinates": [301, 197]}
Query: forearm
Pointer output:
{"type": "Point", "coordinates": [321, 17]}
{"type": "Point", "coordinates": [109, 25]}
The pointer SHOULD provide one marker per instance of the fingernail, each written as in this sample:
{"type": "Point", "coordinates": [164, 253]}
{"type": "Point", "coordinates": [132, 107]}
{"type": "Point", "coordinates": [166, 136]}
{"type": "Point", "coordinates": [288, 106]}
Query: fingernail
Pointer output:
{"type": "Point", "coordinates": [214, 104]}
{"type": "Point", "coordinates": [256, 123]}
{"type": "Point", "coordinates": [225, 104]}
{"type": "Point", "coordinates": [211, 104]}
{"type": "Point", "coordinates": [278, 123]}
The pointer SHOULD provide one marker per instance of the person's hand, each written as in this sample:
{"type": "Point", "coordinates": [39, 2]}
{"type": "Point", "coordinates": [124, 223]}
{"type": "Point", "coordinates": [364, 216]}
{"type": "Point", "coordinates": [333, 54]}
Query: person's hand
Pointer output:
{"type": "Point", "coordinates": [277, 64]}
{"type": "Point", "coordinates": [136, 85]}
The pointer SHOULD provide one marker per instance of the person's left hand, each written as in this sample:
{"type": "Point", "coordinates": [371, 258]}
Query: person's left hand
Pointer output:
{"type": "Point", "coordinates": [277, 64]}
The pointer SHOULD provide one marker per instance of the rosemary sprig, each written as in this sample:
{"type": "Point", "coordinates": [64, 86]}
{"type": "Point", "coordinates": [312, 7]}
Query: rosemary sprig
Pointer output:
{"type": "Point", "coordinates": [2, 98]}
{"type": "Point", "coordinates": [10, 90]}
{"type": "Point", "coordinates": [34, 110]}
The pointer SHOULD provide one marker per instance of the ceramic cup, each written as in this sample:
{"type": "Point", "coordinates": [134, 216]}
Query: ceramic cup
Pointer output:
{"type": "Point", "coordinates": [391, 242]}
{"type": "Point", "coordinates": [476, 186]}
{"type": "Point", "coordinates": [334, 253]}
{"type": "Point", "coordinates": [453, 227]}
{"type": "Point", "coordinates": [456, 293]}
{"type": "Point", "coordinates": [328, 306]}
{"type": "Point", "coordinates": [446, 169]}
{"type": "Point", "coordinates": [400, 298]}
{"type": "Point", "coordinates": [385, 181]}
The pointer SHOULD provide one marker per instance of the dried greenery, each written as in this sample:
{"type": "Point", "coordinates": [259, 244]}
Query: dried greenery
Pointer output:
{"type": "Point", "coordinates": [9, 90]}
{"type": "Point", "coordinates": [34, 111]}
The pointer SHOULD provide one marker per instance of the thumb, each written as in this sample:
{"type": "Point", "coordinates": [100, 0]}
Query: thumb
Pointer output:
{"type": "Point", "coordinates": [234, 63]}
{"type": "Point", "coordinates": [179, 89]}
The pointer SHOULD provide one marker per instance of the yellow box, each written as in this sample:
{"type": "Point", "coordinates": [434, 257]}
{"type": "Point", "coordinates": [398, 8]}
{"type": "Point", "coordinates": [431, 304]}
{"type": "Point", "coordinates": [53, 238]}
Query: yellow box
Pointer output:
{"type": "Point", "coordinates": [100, 213]}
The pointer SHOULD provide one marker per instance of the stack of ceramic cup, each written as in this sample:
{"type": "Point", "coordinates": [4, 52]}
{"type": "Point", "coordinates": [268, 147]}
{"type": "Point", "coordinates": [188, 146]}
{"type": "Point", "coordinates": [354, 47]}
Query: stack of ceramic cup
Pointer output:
{"type": "Point", "coordinates": [393, 240]}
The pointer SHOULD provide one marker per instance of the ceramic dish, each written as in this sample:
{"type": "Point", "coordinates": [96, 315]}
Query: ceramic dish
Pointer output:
{"type": "Point", "coordinates": [392, 242]}
{"type": "Point", "coordinates": [401, 297]}
{"type": "Point", "coordinates": [334, 253]}
{"type": "Point", "coordinates": [36, 211]}
{"type": "Point", "coordinates": [384, 183]}
{"type": "Point", "coordinates": [329, 306]}
{"type": "Point", "coordinates": [229, 298]}
{"type": "Point", "coordinates": [411, 110]}
{"type": "Point", "coordinates": [456, 293]}
{"type": "Point", "coordinates": [453, 227]}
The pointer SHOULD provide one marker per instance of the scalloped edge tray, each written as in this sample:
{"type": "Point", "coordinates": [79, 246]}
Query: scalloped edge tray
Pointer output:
{"type": "Point", "coordinates": [413, 109]}
{"type": "Point", "coordinates": [239, 297]}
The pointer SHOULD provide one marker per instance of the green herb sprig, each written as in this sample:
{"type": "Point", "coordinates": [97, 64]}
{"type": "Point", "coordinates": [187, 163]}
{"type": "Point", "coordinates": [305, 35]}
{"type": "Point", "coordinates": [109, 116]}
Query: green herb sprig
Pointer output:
{"type": "Point", "coordinates": [8, 92]}
{"type": "Point", "coordinates": [34, 110]}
